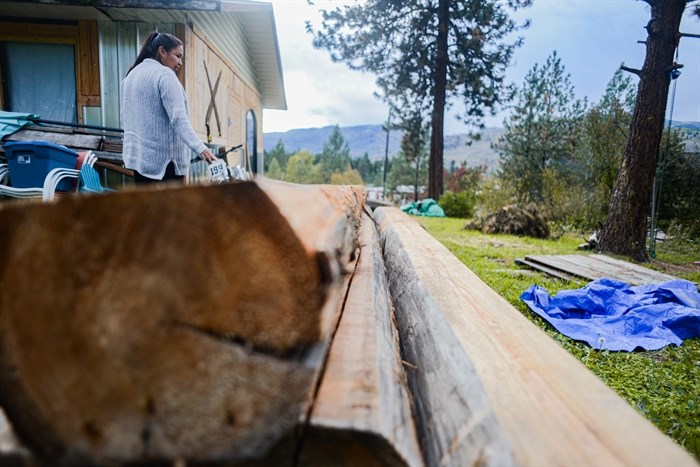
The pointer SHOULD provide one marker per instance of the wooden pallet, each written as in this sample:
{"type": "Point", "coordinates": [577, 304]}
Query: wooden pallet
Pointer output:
{"type": "Point", "coordinates": [592, 267]}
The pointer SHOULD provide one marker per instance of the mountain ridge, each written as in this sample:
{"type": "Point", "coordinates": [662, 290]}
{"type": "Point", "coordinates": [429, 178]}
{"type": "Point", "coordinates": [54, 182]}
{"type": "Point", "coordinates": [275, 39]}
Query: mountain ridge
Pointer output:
{"type": "Point", "coordinates": [371, 139]}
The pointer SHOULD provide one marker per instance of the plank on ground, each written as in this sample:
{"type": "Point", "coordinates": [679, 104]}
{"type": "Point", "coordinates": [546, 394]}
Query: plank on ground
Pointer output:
{"type": "Point", "coordinates": [551, 408]}
{"type": "Point", "coordinates": [362, 412]}
{"type": "Point", "coordinates": [164, 323]}
{"type": "Point", "coordinates": [592, 267]}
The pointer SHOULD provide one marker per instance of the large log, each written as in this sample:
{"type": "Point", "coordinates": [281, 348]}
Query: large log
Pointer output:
{"type": "Point", "coordinates": [455, 420]}
{"type": "Point", "coordinates": [177, 323]}
{"type": "Point", "coordinates": [546, 404]}
{"type": "Point", "coordinates": [362, 412]}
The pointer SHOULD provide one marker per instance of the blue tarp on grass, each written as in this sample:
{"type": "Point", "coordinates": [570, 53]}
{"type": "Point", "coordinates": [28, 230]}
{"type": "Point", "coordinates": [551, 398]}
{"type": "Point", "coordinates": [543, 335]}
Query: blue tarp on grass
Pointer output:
{"type": "Point", "coordinates": [609, 314]}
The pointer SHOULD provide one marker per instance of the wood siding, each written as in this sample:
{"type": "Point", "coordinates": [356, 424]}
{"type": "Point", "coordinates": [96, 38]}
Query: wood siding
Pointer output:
{"type": "Point", "coordinates": [234, 96]}
{"type": "Point", "coordinates": [120, 42]}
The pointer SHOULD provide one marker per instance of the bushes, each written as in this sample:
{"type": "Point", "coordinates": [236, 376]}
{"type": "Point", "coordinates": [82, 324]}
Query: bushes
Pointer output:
{"type": "Point", "coordinates": [460, 205]}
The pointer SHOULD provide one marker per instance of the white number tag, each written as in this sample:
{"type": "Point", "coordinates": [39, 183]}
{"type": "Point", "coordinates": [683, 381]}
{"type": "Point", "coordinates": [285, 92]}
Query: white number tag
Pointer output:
{"type": "Point", "coordinates": [218, 172]}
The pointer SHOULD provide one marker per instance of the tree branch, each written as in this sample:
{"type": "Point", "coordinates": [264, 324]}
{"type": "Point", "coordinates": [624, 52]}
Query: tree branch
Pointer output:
{"type": "Point", "coordinates": [631, 70]}
{"type": "Point", "coordinates": [649, 24]}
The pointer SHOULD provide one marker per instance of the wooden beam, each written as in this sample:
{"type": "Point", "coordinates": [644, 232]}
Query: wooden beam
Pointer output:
{"type": "Point", "coordinates": [89, 63]}
{"type": "Point", "coordinates": [173, 323]}
{"type": "Point", "coordinates": [115, 168]}
{"type": "Point", "coordinates": [362, 413]}
{"type": "Point", "coordinates": [455, 420]}
{"type": "Point", "coordinates": [69, 139]}
{"type": "Point", "coordinates": [549, 408]}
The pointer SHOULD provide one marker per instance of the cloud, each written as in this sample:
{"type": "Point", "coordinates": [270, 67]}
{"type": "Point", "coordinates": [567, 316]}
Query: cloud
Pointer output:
{"type": "Point", "coordinates": [592, 38]}
{"type": "Point", "coordinates": [319, 91]}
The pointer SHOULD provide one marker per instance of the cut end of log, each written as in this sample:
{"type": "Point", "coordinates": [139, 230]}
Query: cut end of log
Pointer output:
{"type": "Point", "coordinates": [160, 324]}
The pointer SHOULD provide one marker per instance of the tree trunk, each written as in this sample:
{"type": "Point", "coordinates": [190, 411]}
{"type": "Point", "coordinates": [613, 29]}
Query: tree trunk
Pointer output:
{"type": "Point", "coordinates": [155, 325]}
{"type": "Point", "coordinates": [626, 223]}
{"type": "Point", "coordinates": [435, 174]}
{"type": "Point", "coordinates": [416, 182]}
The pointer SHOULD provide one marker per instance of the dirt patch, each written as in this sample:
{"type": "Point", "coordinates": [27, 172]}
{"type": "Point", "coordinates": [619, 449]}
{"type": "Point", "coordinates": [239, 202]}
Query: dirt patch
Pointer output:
{"type": "Point", "coordinates": [675, 269]}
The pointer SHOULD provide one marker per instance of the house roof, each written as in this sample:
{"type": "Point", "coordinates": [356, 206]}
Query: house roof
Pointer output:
{"type": "Point", "coordinates": [214, 17]}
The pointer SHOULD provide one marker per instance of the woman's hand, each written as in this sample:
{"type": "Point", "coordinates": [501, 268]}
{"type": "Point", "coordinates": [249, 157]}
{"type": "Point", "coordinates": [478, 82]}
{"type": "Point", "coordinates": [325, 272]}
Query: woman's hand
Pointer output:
{"type": "Point", "coordinates": [207, 156]}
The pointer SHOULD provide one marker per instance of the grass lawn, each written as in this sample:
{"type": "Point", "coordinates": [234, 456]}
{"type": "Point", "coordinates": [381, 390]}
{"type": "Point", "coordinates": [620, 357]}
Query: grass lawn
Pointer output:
{"type": "Point", "coordinates": [663, 385]}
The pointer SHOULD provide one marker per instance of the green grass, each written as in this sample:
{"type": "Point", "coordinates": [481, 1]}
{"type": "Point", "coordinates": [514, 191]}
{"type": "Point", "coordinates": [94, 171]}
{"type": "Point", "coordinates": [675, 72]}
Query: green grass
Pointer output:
{"type": "Point", "coordinates": [663, 385]}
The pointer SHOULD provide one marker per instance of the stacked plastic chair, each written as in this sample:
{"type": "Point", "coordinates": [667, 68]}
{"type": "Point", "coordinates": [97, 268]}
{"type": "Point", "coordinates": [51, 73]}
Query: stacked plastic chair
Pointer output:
{"type": "Point", "coordinates": [88, 181]}
{"type": "Point", "coordinates": [50, 183]}
{"type": "Point", "coordinates": [87, 176]}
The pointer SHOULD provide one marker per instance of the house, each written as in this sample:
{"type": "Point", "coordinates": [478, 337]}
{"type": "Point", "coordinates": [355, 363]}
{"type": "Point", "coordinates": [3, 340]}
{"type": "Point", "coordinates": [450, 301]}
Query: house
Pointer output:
{"type": "Point", "coordinates": [64, 60]}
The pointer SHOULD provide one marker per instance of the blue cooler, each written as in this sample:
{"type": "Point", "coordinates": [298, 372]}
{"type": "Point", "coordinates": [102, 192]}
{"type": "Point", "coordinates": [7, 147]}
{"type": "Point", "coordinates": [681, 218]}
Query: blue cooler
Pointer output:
{"type": "Point", "coordinates": [31, 161]}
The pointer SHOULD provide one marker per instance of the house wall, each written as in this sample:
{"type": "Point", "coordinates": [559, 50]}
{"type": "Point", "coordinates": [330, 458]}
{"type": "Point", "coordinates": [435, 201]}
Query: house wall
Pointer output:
{"type": "Point", "coordinates": [119, 44]}
{"type": "Point", "coordinates": [105, 50]}
{"type": "Point", "coordinates": [204, 63]}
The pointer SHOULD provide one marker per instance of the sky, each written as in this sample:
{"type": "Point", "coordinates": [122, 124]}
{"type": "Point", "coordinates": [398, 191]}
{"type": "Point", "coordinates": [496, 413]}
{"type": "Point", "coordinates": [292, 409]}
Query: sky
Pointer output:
{"type": "Point", "coordinates": [591, 37]}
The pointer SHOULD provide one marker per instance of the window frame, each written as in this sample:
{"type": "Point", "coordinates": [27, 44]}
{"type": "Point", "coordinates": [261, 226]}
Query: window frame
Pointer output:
{"type": "Point", "coordinates": [252, 159]}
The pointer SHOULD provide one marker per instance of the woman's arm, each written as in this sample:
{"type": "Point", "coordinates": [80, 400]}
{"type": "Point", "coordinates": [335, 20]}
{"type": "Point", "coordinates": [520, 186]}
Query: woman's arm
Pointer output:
{"type": "Point", "coordinates": [173, 98]}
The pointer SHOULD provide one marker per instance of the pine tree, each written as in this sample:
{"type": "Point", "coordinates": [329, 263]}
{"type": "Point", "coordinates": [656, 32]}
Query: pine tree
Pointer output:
{"type": "Point", "coordinates": [279, 154]}
{"type": "Point", "coordinates": [426, 54]}
{"type": "Point", "coordinates": [364, 167]}
{"type": "Point", "coordinates": [542, 131]}
{"type": "Point", "coordinates": [604, 136]}
{"type": "Point", "coordinates": [409, 165]}
{"type": "Point", "coordinates": [275, 171]}
{"type": "Point", "coordinates": [335, 156]}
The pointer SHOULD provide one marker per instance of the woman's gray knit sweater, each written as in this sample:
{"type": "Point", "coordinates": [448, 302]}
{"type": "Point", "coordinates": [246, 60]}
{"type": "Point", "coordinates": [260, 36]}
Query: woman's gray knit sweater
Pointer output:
{"type": "Point", "coordinates": [157, 129]}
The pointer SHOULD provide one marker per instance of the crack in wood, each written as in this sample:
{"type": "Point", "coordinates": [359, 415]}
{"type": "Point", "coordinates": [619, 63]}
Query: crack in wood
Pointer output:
{"type": "Point", "coordinates": [295, 353]}
{"type": "Point", "coordinates": [304, 426]}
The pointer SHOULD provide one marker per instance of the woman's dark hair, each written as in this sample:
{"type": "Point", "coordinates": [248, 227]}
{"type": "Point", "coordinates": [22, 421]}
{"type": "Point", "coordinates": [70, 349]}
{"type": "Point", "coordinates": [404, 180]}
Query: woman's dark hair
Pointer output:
{"type": "Point", "coordinates": [154, 41]}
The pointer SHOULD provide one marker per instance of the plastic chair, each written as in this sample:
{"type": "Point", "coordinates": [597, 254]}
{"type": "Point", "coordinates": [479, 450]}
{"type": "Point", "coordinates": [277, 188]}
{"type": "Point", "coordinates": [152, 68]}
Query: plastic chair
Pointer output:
{"type": "Point", "coordinates": [89, 178]}
{"type": "Point", "coordinates": [54, 178]}
{"type": "Point", "coordinates": [4, 174]}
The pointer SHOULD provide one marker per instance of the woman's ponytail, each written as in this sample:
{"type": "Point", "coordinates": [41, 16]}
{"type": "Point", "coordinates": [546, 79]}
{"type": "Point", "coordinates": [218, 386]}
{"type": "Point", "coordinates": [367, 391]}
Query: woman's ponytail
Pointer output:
{"type": "Point", "coordinates": [155, 41]}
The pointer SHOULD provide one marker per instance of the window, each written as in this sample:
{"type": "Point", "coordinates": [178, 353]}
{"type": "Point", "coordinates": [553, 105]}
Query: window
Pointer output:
{"type": "Point", "coordinates": [50, 68]}
{"type": "Point", "coordinates": [39, 78]}
{"type": "Point", "coordinates": [251, 141]}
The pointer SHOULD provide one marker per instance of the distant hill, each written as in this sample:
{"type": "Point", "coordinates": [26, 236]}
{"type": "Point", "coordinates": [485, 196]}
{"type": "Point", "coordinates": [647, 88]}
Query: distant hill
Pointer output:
{"type": "Point", "coordinates": [691, 135]}
{"type": "Point", "coordinates": [694, 126]}
{"type": "Point", "coordinates": [371, 139]}
{"type": "Point", "coordinates": [458, 148]}
{"type": "Point", "coordinates": [363, 138]}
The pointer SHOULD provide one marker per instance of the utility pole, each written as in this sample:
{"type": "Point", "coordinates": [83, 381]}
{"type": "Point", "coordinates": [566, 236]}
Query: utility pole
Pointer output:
{"type": "Point", "coordinates": [386, 152]}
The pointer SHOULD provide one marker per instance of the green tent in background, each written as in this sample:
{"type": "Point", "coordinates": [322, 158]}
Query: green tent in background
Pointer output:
{"type": "Point", "coordinates": [427, 207]}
